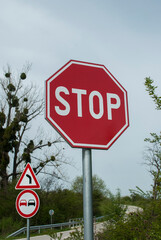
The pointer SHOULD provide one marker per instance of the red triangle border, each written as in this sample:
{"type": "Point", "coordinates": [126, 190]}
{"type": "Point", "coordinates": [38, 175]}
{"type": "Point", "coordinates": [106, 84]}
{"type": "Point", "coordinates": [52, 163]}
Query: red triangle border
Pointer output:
{"type": "Point", "coordinates": [37, 186]}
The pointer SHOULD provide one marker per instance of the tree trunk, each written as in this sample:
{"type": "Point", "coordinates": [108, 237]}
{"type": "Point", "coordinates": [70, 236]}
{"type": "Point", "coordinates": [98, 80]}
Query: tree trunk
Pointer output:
{"type": "Point", "coordinates": [4, 181]}
{"type": "Point", "coordinates": [14, 173]}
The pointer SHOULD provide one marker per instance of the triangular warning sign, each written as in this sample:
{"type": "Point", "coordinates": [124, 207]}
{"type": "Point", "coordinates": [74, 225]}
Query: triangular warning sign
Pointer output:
{"type": "Point", "coordinates": [28, 179]}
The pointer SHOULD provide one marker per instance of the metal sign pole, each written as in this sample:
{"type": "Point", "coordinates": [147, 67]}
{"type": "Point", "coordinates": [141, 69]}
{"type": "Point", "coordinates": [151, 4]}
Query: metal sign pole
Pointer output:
{"type": "Point", "coordinates": [51, 221]}
{"type": "Point", "coordinates": [28, 228]}
{"type": "Point", "coordinates": [87, 194]}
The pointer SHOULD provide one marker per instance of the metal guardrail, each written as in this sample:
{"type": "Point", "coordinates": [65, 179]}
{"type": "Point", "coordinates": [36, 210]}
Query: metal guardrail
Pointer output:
{"type": "Point", "coordinates": [71, 223]}
{"type": "Point", "coordinates": [59, 225]}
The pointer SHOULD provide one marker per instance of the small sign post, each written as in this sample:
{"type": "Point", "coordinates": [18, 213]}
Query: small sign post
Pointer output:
{"type": "Point", "coordinates": [51, 213]}
{"type": "Point", "coordinates": [27, 202]}
{"type": "Point", "coordinates": [89, 108]}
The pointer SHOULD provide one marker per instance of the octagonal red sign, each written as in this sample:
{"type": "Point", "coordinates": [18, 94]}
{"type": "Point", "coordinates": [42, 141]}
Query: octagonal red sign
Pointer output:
{"type": "Point", "coordinates": [86, 105]}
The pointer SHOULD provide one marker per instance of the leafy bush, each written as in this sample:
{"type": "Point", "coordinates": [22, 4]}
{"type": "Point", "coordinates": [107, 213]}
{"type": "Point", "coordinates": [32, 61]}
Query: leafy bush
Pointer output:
{"type": "Point", "coordinates": [8, 224]}
{"type": "Point", "coordinates": [112, 207]}
{"type": "Point", "coordinates": [137, 226]}
{"type": "Point", "coordinates": [74, 235]}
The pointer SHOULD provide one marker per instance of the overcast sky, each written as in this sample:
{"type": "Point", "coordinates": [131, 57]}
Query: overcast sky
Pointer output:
{"type": "Point", "coordinates": [123, 35]}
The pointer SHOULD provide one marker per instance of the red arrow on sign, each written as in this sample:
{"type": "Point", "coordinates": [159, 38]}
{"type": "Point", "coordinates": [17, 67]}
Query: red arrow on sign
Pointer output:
{"type": "Point", "coordinates": [28, 179]}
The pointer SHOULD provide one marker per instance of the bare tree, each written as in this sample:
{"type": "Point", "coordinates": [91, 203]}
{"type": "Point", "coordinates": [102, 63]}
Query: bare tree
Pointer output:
{"type": "Point", "coordinates": [153, 161]}
{"type": "Point", "coordinates": [20, 105]}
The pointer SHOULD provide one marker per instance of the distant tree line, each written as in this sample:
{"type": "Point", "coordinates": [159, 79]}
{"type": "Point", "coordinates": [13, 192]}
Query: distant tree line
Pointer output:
{"type": "Point", "coordinates": [66, 203]}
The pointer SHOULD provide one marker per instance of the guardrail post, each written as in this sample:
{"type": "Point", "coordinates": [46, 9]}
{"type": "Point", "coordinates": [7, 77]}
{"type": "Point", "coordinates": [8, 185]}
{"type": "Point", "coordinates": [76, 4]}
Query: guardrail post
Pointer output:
{"type": "Point", "coordinates": [69, 223]}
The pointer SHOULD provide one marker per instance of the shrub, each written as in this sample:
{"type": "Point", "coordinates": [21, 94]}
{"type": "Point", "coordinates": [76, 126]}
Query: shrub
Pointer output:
{"type": "Point", "coordinates": [8, 225]}
{"type": "Point", "coordinates": [137, 226]}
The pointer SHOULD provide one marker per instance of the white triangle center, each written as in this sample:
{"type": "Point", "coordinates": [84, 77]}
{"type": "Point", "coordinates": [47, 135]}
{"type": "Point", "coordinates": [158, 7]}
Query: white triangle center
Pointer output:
{"type": "Point", "coordinates": [28, 179]}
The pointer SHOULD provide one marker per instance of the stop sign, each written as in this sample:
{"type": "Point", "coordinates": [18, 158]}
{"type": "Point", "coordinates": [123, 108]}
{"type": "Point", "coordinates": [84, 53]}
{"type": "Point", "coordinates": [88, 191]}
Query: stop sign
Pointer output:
{"type": "Point", "coordinates": [86, 105]}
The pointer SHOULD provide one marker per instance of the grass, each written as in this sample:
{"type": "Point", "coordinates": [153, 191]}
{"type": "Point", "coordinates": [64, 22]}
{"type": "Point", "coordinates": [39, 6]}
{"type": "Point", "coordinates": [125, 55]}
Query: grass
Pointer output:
{"type": "Point", "coordinates": [33, 234]}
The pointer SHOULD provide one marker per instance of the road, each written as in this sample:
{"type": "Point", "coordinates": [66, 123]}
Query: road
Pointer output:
{"type": "Point", "coordinates": [65, 234]}
{"type": "Point", "coordinates": [97, 227]}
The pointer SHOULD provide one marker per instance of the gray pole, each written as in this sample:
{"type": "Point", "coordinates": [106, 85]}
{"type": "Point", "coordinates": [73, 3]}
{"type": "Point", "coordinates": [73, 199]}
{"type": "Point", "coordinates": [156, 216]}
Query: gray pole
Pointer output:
{"type": "Point", "coordinates": [87, 194]}
{"type": "Point", "coordinates": [51, 221]}
{"type": "Point", "coordinates": [28, 228]}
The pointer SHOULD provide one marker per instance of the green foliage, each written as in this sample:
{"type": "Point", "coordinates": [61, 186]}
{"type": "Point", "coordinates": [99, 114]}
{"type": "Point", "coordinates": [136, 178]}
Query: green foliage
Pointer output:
{"type": "Point", "coordinates": [11, 87]}
{"type": "Point", "coordinates": [139, 197]}
{"type": "Point", "coordinates": [76, 234]}
{"type": "Point", "coordinates": [140, 226]}
{"type": "Point", "coordinates": [12, 117]}
{"type": "Point", "coordinates": [99, 191]}
{"type": "Point", "coordinates": [2, 119]}
{"type": "Point", "coordinates": [25, 99]}
{"type": "Point", "coordinates": [10, 221]}
{"type": "Point", "coordinates": [153, 161]}
{"type": "Point", "coordinates": [7, 75]}
{"type": "Point", "coordinates": [155, 138]}
{"type": "Point", "coordinates": [153, 158]}
{"type": "Point", "coordinates": [112, 207]}
{"type": "Point", "coordinates": [145, 225]}
{"type": "Point", "coordinates": [98, 185]}
{"type": "Point", "coordinates": [26, 156]}
{"type": "Point", "coordinates": [7, 223]}
{"type": "Point", "coordinates": [52, 158]}
{"type": "Point", "coordinates": [20, 104]}
{"type": "Point", "coordinates": [65, 203]}
{"type": "Point", "coordinates": [77, 185]}
{"type": "Point", "coordinates": [126, 200]}
{"type": "Point", "coordinates": [55, 236]}
{"type": "Point", "coordinates": [25, 111]}
{"type": "Point", "coordinates": [151, 89]}
{"type": "Point", "coordinates": [23, 76]}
